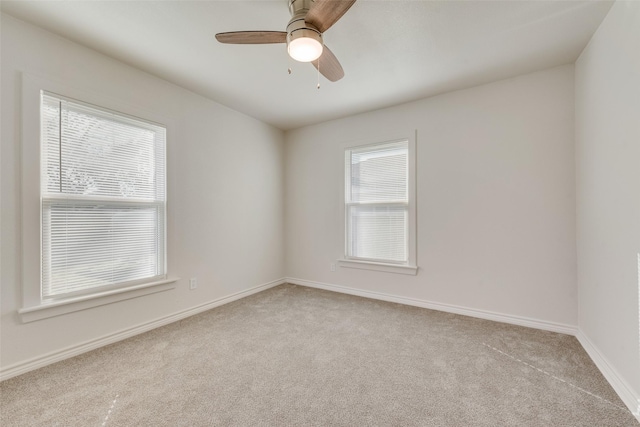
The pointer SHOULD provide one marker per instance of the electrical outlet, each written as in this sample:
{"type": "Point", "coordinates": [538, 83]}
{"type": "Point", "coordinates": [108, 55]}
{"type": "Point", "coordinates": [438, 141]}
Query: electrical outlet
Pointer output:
{"type": "Point", "coordinates": [193, 283]}
{"type": "Point", "coordinates": [332, 266]}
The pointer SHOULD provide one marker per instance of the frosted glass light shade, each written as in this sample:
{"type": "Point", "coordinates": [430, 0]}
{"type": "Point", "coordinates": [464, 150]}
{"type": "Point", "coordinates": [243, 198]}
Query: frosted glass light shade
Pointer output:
{"type": "Point", "coordinates": [305, 49]}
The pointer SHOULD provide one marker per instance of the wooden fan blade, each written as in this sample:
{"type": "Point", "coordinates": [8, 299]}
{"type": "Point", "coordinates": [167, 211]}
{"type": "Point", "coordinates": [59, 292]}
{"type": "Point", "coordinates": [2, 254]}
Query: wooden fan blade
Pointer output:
{"type": "Point", "coordinates": [324, 13]}
{"type": "Point", "coordinates": [328, 65]}
{"type": "Point", "coordinates": [252, 37]}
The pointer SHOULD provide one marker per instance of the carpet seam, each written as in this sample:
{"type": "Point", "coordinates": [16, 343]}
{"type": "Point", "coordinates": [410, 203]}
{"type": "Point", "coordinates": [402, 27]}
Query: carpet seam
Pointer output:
{"type": "Point", "coordinates": [555, 377]}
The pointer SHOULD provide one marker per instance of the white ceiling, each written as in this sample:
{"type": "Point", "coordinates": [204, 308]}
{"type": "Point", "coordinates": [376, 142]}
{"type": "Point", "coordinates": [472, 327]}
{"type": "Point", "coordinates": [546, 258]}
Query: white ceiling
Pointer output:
{"type": "Point", "coordinates": [391, 51]}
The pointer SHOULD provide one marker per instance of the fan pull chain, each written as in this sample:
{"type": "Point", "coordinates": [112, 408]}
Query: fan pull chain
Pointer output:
{"type": "Point", "coordinates": [318, 73]}
{"type": "Point", "coordinates": [289, 69]}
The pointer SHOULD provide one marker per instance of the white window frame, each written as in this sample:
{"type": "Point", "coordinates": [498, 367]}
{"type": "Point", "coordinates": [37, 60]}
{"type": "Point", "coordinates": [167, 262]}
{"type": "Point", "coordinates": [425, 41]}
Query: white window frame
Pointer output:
{"type": "Point", "coordinates": [410, 267]}
{"type": "Point", "coordinates": [33, 306]}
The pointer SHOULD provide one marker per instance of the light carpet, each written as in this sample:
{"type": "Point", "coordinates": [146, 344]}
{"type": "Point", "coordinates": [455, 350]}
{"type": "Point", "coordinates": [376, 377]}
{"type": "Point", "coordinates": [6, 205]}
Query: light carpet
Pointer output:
{"type": "Point", "coordinates": [296, 356]}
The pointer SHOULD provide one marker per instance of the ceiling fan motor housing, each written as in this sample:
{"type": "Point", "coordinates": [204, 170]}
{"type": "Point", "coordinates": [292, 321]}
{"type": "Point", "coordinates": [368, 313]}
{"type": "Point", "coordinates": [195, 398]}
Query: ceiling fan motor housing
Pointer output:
{"type": "Point", "coordinates": [297, 7]}
{"type": "Point", "coordinates": [299, 31]}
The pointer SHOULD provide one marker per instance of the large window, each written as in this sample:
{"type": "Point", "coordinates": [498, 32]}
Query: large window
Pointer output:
{"type": "Point", "coordinates": [102, 191]}
{"type": "Point", "coordinates": [378, 206]}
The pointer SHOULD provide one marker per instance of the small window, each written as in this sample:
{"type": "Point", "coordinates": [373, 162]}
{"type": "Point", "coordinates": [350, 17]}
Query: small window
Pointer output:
{"type": "Point", "coordinates": [102, 199]}
{"type": "Point", "coordinates": [378, 209]}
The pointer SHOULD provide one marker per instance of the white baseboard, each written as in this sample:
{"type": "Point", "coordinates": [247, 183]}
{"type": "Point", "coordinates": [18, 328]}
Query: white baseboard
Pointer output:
{"type": "Point", "coordinates": [482, 314]}
{"type": "Point", "coordinates": [630, 397]}
{"type": "Point", "coordinates": [75, 350]}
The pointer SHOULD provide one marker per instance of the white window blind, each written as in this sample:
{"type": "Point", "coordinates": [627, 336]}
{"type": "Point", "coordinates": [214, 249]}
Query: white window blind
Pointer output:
{"type": "Point", "coordinates": [377, 203]}
{"type": "Point", "coordinates": [102, 197]}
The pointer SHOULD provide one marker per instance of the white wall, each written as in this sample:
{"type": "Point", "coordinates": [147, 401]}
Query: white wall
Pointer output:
{"type": "Point", "coordinates": [225, 194]}
{"type": "Point", "coordinates": [607, 87]}
{"type": "Point", "coordinates": [495, 199]}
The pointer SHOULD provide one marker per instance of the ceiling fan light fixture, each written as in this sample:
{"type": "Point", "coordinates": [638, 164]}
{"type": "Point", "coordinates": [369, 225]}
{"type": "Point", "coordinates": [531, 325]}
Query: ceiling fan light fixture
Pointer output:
{"type": "Point", "coordinates": [304, 34]}
{"type": "Point", "coordinates": [304, 44]}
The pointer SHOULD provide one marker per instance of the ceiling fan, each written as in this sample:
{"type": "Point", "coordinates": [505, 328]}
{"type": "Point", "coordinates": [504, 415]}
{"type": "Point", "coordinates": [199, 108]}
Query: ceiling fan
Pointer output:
{"type": "Point", "coordinates": [309, 20]}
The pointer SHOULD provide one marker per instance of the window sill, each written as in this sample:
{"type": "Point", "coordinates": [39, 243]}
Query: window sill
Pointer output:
{"type": "Point", "coordinates": [411, 270]}
{"type": "Point", "coordinates": [56, 308]}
